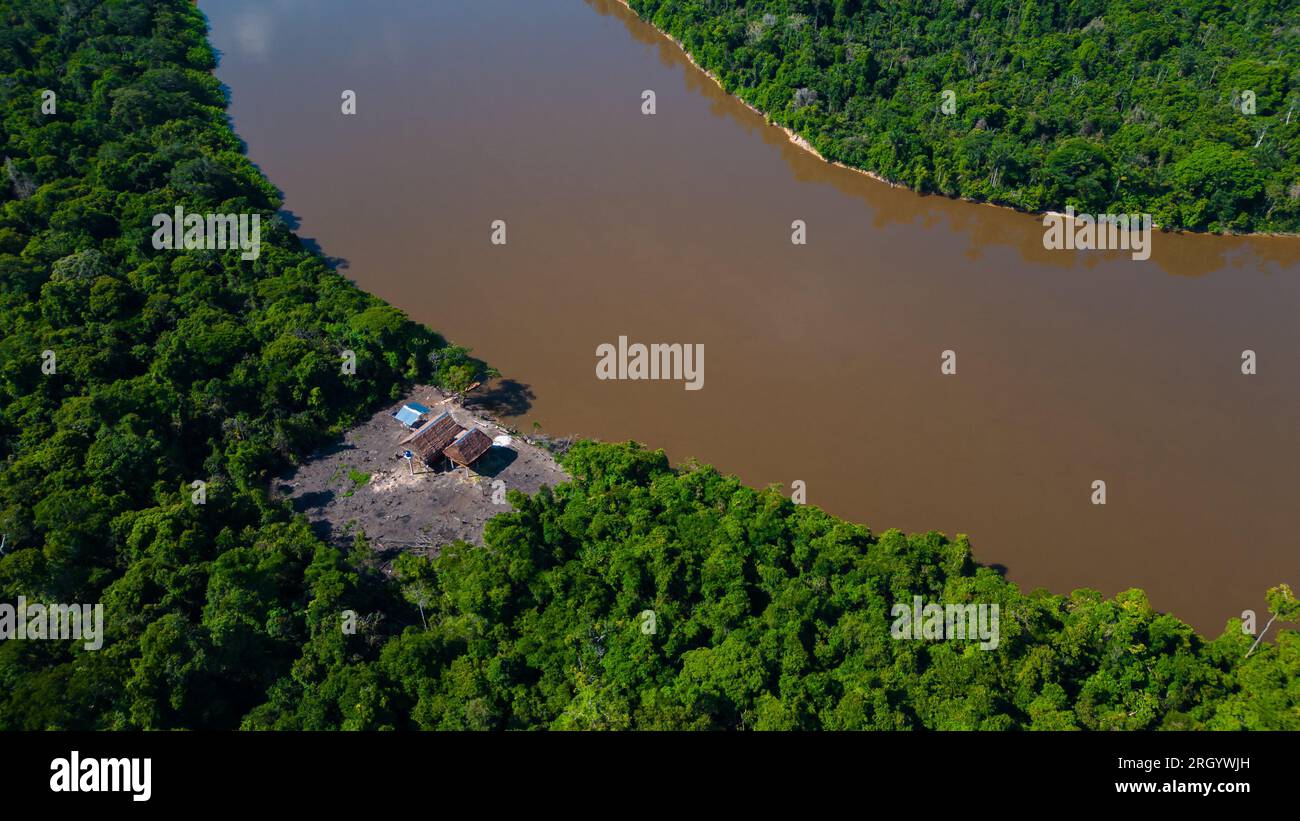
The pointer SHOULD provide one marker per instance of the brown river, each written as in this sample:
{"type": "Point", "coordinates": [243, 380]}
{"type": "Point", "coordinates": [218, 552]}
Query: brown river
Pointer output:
{"type": "Point", "coordinates": [823, 359]}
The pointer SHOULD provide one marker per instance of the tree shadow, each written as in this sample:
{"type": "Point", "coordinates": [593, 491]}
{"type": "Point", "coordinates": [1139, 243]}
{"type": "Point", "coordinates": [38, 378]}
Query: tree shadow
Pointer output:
{"type": "Point", "coordinates": [313, 500]}
{"type": "Point", "coordinates": [332, 449]}
{"type": "Point", "coordinates": [294, 223]}
{"type": "Point", "coordinates": [504, 397]}
{"type": "Point", "coordinates": [323, 529]}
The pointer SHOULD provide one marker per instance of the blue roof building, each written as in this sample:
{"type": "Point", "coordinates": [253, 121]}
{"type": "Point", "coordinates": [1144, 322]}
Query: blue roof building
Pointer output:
{"type": "Point", "coordinates": [411, 413]}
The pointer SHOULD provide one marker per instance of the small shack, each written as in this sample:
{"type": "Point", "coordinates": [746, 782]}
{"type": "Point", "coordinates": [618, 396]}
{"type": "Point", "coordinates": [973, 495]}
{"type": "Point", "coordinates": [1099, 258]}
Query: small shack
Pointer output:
{"type": "Point", "coordinates": [411, 414]}
{"type": "Point", "coordinates": [430, 439]}
{"type": "Point", "coordinates": [467, 447]}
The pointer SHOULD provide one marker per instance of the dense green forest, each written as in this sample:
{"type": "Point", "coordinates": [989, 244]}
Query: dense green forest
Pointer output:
{"type": "Point", "coordinates": [1113, 106]}
{"type": "Point", "coordinates": [176, 366]}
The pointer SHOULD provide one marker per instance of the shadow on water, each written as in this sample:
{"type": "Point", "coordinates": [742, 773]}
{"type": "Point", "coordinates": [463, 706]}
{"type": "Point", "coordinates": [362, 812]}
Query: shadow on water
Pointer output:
{"type": "Point", "coordinates": [294, 223]}
{"type": "Point", "coordinates": [503, 397]}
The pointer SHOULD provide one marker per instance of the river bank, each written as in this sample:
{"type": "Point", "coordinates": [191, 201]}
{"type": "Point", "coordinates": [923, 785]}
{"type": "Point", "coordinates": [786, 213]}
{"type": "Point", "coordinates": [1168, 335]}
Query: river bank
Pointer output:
{"type": "Point", "coordinates": [1073, 366]}
{"type": "Point", "coordinates": [802, 142]}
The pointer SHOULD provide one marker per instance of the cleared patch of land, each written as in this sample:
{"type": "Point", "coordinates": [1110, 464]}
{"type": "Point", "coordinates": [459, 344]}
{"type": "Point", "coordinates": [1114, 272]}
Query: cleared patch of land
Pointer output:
{"type": "Point", "coordinates": [362, 483]}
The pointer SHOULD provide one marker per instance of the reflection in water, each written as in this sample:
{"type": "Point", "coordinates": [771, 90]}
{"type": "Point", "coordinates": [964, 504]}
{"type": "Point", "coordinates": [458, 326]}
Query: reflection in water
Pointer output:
{"type": "Point", "coordinates": [1071, 366]}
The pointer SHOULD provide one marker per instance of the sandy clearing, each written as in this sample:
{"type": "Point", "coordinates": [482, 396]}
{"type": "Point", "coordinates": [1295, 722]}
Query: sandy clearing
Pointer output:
{"type": "Point", "coordinates": [361, 483]}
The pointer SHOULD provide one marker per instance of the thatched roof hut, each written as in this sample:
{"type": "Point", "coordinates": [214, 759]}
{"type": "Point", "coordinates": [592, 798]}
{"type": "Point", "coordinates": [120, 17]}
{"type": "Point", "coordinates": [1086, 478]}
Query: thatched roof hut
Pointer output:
{"type": "Point", "coordinates": [431, 439]}
{"type": "Point", "coordinates": [468, 446]}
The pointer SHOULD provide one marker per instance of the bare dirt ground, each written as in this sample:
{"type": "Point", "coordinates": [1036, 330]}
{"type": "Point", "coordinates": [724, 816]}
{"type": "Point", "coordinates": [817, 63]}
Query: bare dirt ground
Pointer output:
{"type": "Point", "coordinates": [363, 483]}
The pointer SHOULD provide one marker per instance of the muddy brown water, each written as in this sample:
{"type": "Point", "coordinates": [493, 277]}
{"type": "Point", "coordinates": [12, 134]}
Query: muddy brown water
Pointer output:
{"type": "Point", "coordinates": [822, 361]}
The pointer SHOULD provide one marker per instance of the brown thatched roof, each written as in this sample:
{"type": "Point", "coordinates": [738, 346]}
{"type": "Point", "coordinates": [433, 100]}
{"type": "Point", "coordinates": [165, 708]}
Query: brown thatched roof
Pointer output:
{"type": "Point", "coordinates": [468, 446]}
{"type": "Point", "coordinates": [431, 438]}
